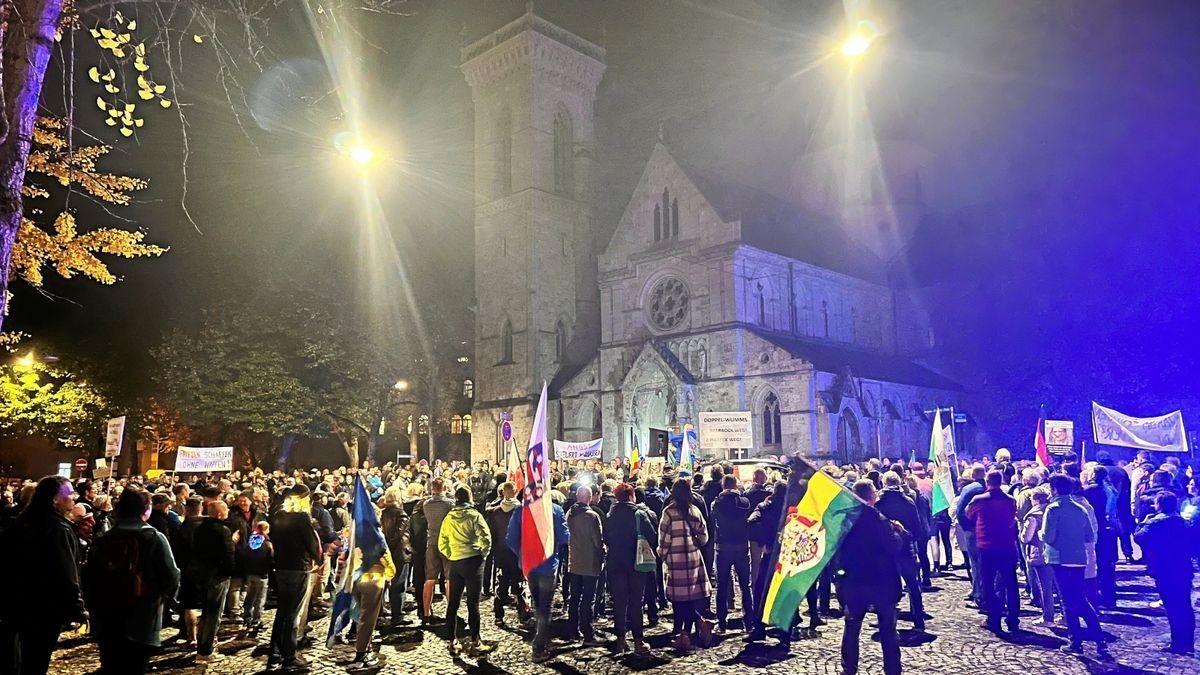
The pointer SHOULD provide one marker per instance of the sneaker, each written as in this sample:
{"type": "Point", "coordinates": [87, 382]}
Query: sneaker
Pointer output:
{"type": "Point", "coordinates": [621, 646]}
{"type": "Point", "coordinates": [540, 657]}
{"type": "Point", "coordinates": [1072, 649]}
{"type": "Point", "coordinates": [594, 641]}
{"type": "Point", "coordinates": [682, 642]}
{"type": "Point", "coordinates": [297, 664]}
{"type": "Point", "coordinates": [370, 660]}
{"type": "Point", "coordinates": [641, 648]}
{"type": "Point", "coordinates": [479, 648]}
{"type": "Point", "coordinates": [215, 657]}
{"type": "Point", "coordinates": [1043, 623]}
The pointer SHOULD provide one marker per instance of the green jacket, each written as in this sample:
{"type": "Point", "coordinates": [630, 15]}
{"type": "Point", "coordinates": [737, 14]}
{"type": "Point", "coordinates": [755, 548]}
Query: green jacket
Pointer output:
{"type": "Point", "coordinates": [1066, 531]}
{"type": "Point", "coordinates": [464, 534]}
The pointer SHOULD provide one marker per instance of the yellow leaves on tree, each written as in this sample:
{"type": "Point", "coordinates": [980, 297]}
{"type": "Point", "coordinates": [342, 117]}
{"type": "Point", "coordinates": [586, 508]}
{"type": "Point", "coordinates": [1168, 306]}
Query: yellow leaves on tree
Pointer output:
{"type": "Point", "coordinates": [65, 249]}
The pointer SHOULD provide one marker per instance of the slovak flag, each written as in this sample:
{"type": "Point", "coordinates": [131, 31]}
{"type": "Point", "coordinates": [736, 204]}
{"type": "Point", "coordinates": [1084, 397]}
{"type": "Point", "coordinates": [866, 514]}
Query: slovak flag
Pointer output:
{"type": "Point", "coordinates": [537, 516]}
{"type": "Point", "coordinates": [1039, 441]}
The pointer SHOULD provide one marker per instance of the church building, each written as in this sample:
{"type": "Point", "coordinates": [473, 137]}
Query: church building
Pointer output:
{"type": "Point", "coordinates": [710, 296]}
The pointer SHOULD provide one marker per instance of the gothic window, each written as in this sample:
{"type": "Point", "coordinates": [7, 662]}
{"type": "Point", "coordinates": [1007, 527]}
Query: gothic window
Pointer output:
{"type": "Point", "coordinates": [658, 233]}
{"type": "Point", "coordinates": [456, 424]}
{"type": "Point", "coordinates": [468, 389]}
{"type": "Point", "coordinates": [701, 362]}
{"type": "Point", "coordinates": [506, 343]}
{"type": "Point", "coordinates": [597, 422]}
{"type": "Point", "coordinates": [825, 316]}
{"type": "Point", "coordinates": [423, 425]}
{"type": "Point", "coordinates": [772, 422]}
{"type": "Point", "coordinates": [853, 324]}
{"type": "Point", "coordinates": [560, 341]}
{"type": "Point", "coordinates": [675, 218]}
{"type": "Point", "coordinates": [564, 154]}
{"type": "Point", "coordinates": [503, 150]}
{"type": "Point", "coordinates": [762, 306]}
{"type": "Point", "coordinates": [668, 304]}
{"type": "Point", "coordinates": [848, 442]}
{"type": "Point", "coordinates": [466, 424]}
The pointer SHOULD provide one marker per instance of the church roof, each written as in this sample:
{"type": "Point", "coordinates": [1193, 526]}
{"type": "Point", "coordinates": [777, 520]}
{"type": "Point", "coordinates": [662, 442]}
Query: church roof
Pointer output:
{"type": "Point", "coordinates": [778, 225]}
{"type": "Point", "coordinates": [833, 358]}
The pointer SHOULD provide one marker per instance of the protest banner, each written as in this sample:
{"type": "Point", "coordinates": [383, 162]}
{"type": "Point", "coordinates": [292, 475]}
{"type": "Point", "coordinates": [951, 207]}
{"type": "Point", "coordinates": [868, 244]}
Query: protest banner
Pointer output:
{"type": "Point", "coordinates": [1060, 436]}
{"type": "Point", "coordinates": [1164, 433]}
{"type": "Point", "coordinates": [588, 450]}
{"type": "Point", "coordinates": [202, 460]}
{"type": "Point", "coordinates": [724, 430]}
{"type": "Point", "coordinates": [113, 435]}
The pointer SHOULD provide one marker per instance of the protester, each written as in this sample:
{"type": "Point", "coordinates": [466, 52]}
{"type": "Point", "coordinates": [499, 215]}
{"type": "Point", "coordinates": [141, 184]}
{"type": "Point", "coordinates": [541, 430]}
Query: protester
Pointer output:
{"type": "Point", "coordinates": [1066, 531]}
{"type": "Point", "coordinates": [212, 564]}
{"type": "Point", "coordinates": [541, 577]}
{"type": "Point", "coordinates": [1035, 557]}
{"type": "Point", "coordinates": [995, 517]}
{"type": "Point", "coordinates": [432, 512]}
{"type": "Point", "coordinates": [297, 556]}
{"type": "Point", "coordinates": [1168, 544]}
{"type": "Point", "coordinates": [682, 533]}
{"type": "Point", "coordinates": [465, 541]}
{"type": "Point", "coordinates": [586, 558]}
{"type": "Point", "coordinates": [394, 521]}
{"type": "Point", "coordinates": [869, 579]}
{"type": "Point", "coordinates": [897, 507]}
{"type": "Point", "coordinates": [627, 530]}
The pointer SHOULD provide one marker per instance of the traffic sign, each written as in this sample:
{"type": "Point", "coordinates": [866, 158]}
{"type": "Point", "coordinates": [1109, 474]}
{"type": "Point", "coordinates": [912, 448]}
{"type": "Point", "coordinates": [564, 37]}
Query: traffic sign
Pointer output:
{"type": "Point", "coordinates": [81, 465]}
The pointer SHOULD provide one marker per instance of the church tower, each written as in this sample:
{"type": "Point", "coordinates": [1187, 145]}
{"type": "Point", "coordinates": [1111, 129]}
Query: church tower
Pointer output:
{"type": "Point", "coordinates": [534, 87]}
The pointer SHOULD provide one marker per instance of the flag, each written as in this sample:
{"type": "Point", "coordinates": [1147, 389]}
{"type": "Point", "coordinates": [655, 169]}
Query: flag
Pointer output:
{"type": "Point", "coordinates": [513, 467]}
{"type": "Point", "coordinates": [366, 549]}
{"type": "Point", "coordinates": [941, 450]}
{"type": "Point", "coordinates": [1039, 440]}
{"type": "Point", "coordinates": [687, 458]}
{"type": "Point", "coordinates": [809, 537]}
{"type": "Point", "coordinates": [635, 459]}
{"type": "Point", "coordinates": [537, 518]}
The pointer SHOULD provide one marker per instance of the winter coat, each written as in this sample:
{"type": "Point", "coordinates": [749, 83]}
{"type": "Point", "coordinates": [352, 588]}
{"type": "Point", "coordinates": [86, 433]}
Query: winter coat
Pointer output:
{"type": "Point", "coordinates": [625, 522]}
{"type": "Point", "coordinates": [141, 622]}
{"type": "Point", "coordinates": [729, 513]}
{"type": "Point", "coordinates": [764, 522]}
{"type": "Point", "coordinates": [756, 494]}
{"type": "Point", "coordinates": [1168, 544]}
{"type": "Point", "coordinates": [895, 505]}
{"type": "Point", "coordinates": [1035, 550]}
{"type": "Point", "coordinates": [394, 523]}
{"type": "Point", "coordinates": [995, 516]}
{"type": "Point", "coordinates": [297, 548]}
{"type": "Point", "coordinates": [1066, 531]}
{"type": "Point", "coordinates": [464, 534]}
{"type": "Point", "coordinates": [498, 515]}
{"type": "Point", "coordinates": [869, 558]}
{"type": "Point", "coordinates": [212, 551]}
{"type": "Point", "coordinates": [586, 550]}
{"type": "Point", "coordinates": [654, 501]}
{"type": "Point", "coordinates": [680, 539]}
{"type": "Point", "coordinates": [40, 572]}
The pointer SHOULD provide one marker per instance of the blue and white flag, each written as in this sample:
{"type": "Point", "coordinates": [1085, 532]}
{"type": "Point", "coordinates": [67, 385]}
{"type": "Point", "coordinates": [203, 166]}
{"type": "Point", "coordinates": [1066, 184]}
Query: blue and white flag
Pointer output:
{"type": "Point", "coordinates": [367, 549]}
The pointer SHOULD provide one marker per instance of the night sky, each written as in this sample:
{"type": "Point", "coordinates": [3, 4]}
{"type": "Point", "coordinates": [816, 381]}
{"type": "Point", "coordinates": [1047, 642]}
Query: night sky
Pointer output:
{"type": "Point", "coordinates": [1058, 145]}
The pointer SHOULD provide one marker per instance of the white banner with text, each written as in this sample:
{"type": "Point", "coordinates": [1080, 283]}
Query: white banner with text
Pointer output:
{"type": "Point", "coordinates": [1164, 433]}
{"type": "Point", "coordinates": [203, 460]}
{"type": "Point", "coordinates": [588, 450]}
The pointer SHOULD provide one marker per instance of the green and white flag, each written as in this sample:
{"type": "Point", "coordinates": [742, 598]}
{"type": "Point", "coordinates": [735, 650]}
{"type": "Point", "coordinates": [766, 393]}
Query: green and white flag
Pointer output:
{"type": "Point", "coordinates": [941, 454]}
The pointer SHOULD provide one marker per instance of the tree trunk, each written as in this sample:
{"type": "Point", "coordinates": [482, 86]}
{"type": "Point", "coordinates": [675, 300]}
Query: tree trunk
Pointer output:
{"type": "Point", "coordinates": [29, 39]}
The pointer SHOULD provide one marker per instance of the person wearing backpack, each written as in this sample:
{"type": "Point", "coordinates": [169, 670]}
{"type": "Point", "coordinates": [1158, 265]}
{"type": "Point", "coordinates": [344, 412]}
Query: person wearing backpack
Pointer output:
{"type": "Point", "coordinates": [128, 576]}
{"type": "Point", "coordinates": [258, 562]}
{"type": "Point", "coordinates": [625, 531]}
{"type": "Point", "coordinates": [212, 560]}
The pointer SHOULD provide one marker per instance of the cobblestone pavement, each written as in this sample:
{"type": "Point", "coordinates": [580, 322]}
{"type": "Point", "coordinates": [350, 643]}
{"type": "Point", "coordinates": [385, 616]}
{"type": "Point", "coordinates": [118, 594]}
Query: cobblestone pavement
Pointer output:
{"type": "Point", "coordinates": [956, 644]}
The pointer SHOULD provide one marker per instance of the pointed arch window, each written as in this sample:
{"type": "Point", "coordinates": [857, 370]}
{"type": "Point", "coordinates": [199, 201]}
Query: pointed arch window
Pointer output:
{"type": "Point", "coordinates": [762, 306]}
{"type": "Point", "coordinates": [423, 425]}
{"type": "Point", "coordinates": [560, 341]}
{"type": "Point", "coordinates": [564, 154]}
{"type": "Point", "coordinates": [658, 231]}
{"type": "Point", "coordinates": [502, 140]}
{"type": "Point", "coordinates": [853, 324]}
{"type": "Point", "coordinates": [772, 421]}
{"type": "Point", "coordinates": [825, 316]}
{"type": "Point", "coordinates": [674, 218]}
{"type": "Point", "coordinates": [468, 388]}
{"type": "Point", "coordinates": [506, 342]}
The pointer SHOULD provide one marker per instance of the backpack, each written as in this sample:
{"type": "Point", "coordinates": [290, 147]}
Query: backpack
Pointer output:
{"type": "Point", "coordinates": [114, 576]}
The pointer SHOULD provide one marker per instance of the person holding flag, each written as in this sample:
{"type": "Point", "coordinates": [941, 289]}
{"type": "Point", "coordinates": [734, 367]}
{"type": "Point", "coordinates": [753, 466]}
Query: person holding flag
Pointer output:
{"type": "Point", "coordinates": [1039, 440]}
{"type": "Point", "coordinates": [941, 454]}
{"type": "Point", "coordinates": [537, 531]}
{"type": "Point", "coordinates": [367, 570]}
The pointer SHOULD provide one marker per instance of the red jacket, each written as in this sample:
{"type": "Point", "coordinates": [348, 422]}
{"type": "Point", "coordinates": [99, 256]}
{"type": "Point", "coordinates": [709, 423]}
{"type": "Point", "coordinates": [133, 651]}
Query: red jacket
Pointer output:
{"type": "Point", "coordinates": [995, 515]}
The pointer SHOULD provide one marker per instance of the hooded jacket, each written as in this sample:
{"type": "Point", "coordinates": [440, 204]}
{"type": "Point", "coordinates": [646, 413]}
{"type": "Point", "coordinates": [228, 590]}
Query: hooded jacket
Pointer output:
{"type": "Point", "coordinates": [729, 513]}
{"type": "Point", "coordinates": [464, 534]}
{"type": "Point", "coordinates": [498, 515]}
{"type": "Point", "coordinates": [625, 522]}
{"type": "Point", "coordinates": [586, 550]}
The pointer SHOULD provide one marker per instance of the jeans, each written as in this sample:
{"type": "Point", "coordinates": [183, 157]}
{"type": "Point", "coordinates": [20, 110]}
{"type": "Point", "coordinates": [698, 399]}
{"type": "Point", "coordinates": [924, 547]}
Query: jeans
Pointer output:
{"type": "Point", "coordinates": [757, 553]}
{"type": "Point", "coordinates": [292, 592]}
{"type": "Point", "coordinates": [541, 586]}
{"type": "Point", "coordinates": [923, 557]}
{"type": "Point", "coordinates": [978, 594]}
{"type": "Point", "coordinates": [729, 563]}
{"type": "Point", "coordinates": [1043, 579]}
{"type": "Point", "coordinates": [941, 539]}
{"type": "Point", "coordinates": [510, 584]}
{"type": "Point", "coordinates": [256, 599]}
{"type": "Point", "coordinates": [210, 617]}
{"type": "Point", "coordinates": [910, 572]}
{"type": "Point", "coordinates": [35, 642]}
{"type": "Point", "coordinates": [627, 588]}
{"type": "Point", "coordinates": [1075, 604]}
{"type": "Point", "coordinates": [998, 573]}
{"type": "Point", "coordinates": [235, 597]}
{"type": "Point", "coordinates": [465, 575]}
{"type": "Point", "coordinates": [1106, 566]}
{"type": "Point", "coordinates": [370, 601]}
{"type": "Point", "coordinates": [397, 591]}
{"type": "Point", "coordinates": [122, 656]}
{"type": "Point", "coordinates": [579, 609]}
{"type": "Point", "coordinates": [855, 603]}
{"type": "Point", "coordinates": [1176, 594]}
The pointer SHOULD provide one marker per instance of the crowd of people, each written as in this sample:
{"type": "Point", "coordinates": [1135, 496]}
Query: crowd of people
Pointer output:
{"type": "Point", "coordinates": [131, 557]}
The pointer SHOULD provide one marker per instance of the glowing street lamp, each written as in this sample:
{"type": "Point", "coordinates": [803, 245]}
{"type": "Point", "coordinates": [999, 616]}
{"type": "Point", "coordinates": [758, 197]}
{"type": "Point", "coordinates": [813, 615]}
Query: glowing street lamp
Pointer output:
{"type": "Point", "coordinates": [860, 41]}
{"type": "Point", "coordinates": [362, 155]}
{"type": "Point", "coordinates": [401, 385]}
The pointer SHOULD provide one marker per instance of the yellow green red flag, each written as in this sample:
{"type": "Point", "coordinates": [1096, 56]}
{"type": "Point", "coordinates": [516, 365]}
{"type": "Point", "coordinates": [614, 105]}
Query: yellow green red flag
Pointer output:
{"type": "Point", "coordinates": [809, 536]}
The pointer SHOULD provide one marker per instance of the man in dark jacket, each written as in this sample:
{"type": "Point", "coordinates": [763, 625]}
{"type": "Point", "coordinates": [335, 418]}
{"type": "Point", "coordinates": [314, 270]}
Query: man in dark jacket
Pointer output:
{"type": "Point", "coordinates": [763, 527]}
{"type": "Point", "coordinates": [896, 506]}
{"type": "Point", "coordinates": [242, 517]}
{"type": "Point", "coordinates": [1168, 545]}
{"type": "Point", "coordinates": [626, 524]}
{"type": "Point", "coordinates": [1102, 497]}
{"type": "Point", "coordinates": [510, 582]}
{"type": "Point", "coordinates": [729, 512]}
{"type": "Point", "coordinates": [969, 492]}
{"type": "Point", "coordinates": [297, 555]}
{"type": "Point", "coordinates": [212, 562]}
{"type": "Point", "coordinates": [995, 517]}
{"type": "Point", "coordinates": [869, 579]}
{"type": "Point", "coordinates": [41, 577]}
{"type": "Point", "coordinates": [586, 550]}
{"type": "Point", "coordinates": [1122, 519]}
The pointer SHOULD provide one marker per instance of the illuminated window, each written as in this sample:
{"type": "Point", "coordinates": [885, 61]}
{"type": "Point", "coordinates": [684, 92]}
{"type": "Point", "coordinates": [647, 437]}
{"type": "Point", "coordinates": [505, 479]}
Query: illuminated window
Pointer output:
{"type": "Point", "coordinates": [466, 424]}
{"type": "Point", "coordinates": [423, 424]}
{"type": "Point", "coordinates": [456, 424]}
{"type": "Point", "coordinates": [464, 359]}
{"type": "Point", "coordinates": [468, 389]}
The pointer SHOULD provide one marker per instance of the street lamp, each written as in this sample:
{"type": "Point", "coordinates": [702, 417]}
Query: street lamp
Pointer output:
{"type": "Point", "coordinates": [362, 155]}
{"type": "Point", "coordinates": [401, 385]}
{"type": "Point", "coordinates": [859, 41]}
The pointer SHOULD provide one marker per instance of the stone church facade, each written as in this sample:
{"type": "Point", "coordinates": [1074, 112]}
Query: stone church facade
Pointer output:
{"type": "Point", "coordinates": [708, 297]}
